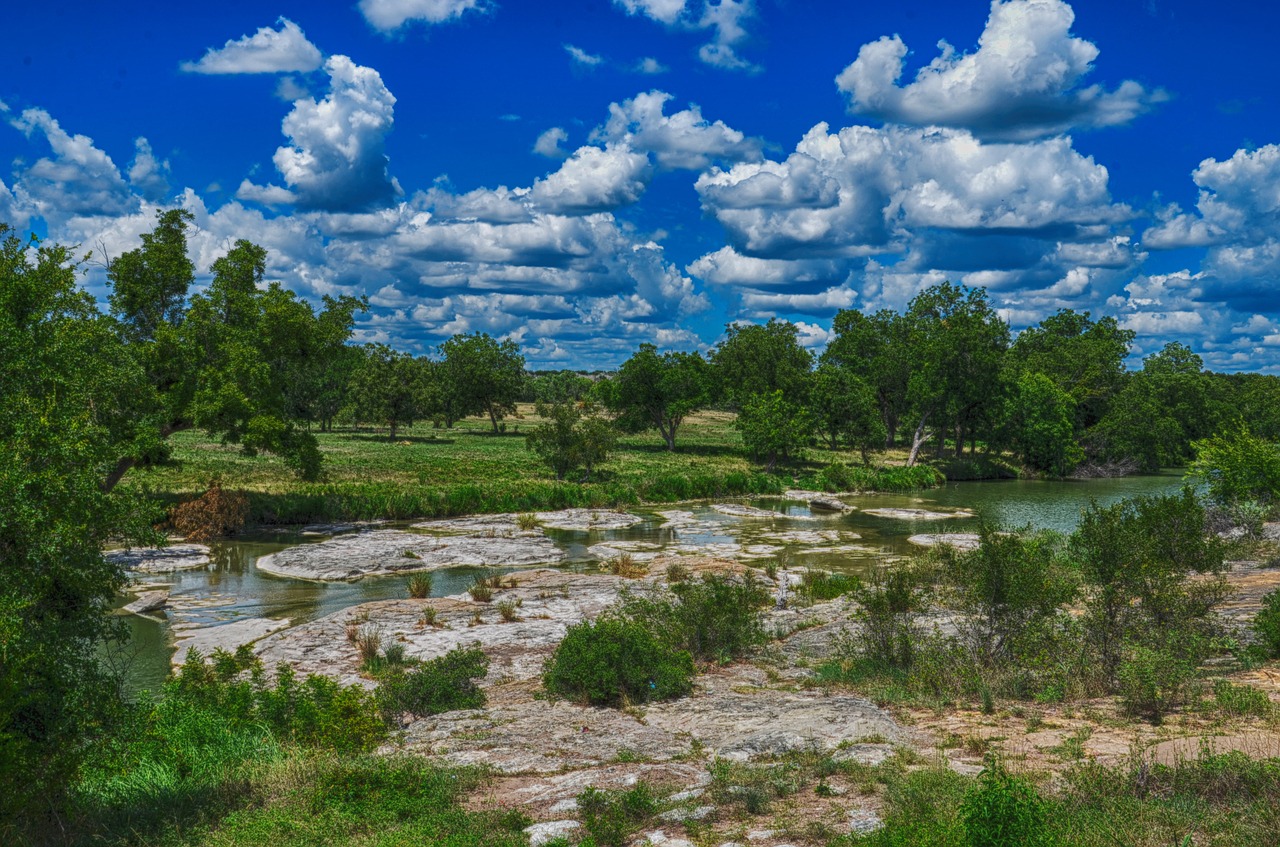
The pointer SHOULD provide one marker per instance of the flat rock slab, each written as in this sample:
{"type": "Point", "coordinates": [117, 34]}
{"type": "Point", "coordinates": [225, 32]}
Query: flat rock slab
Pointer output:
{"type": "Point", "coordinates": [541, 833]}
{"type": "Point", "coordinates": [958, 540]}
{"type": "Point", "coordinates": [175, 557]}
{"type": "Point", "coordinates": [390, 551]}
{"type": "Point", "coordinates": [827, 503]}
{"type": "Point", "coordinates": [504, 526]}
{"type": "Point", "coordinates": [587, 520]}
{"type": "Point", "coordinates": [550, 601]}
{"type": "Point", "coordinates": [613, 550]}
{"type": "Point", "coordinates": [734, 714]}
{"type": "Point", "coordinates": [1271, 531]}
{"type": "Point", "coordinates": [224, 636]}
{"type": "Point", "coordinates": [917, 514]}
{"type": "Point", "coordinates": [148, 601]}
{"type": "Point", "coordinates": [738, 510]}
{"type": "Point", "coordinates": [809, 536]}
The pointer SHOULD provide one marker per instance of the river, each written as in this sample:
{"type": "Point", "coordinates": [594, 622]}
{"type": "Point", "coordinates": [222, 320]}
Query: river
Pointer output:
{"type": "Point", "coordinates": [231, 588]}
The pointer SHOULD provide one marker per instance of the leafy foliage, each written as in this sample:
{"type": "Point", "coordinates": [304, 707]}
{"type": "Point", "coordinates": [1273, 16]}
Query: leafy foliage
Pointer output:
{"type": "Point", "coordinates": [653, 391]}
{"type": "Point", "coordinates": [616, 661]}
{"type": "Point", "coordinates": [609, 817]}
{"type": "Point", "coordinates": [443, 684]}
{"type": "Point", "coordinates": [480, 375]}
{"type": "Point", "coordinates": [773, 428]}
{"type": "Point", "coordinates": [715, 618]}
{"type": "Point", "coordinates": [571, 438]}
{"type": "Point", "coordinates": [1003, 811]}
{"type": "Point", "coordinates": [1237, 467]}
{"type": "Point", "coordinates": [760, 359]}
{"type": "Point", "coordinates": [845, 410]}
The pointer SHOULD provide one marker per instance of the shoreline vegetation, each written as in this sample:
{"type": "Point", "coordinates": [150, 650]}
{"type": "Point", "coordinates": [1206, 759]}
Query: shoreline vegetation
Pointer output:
{"type": "Point", "coordinates": [430, 472]}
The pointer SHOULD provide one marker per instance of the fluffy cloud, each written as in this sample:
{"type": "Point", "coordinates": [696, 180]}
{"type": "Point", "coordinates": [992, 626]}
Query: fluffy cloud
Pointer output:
{"type": "Point", "coordinates": [582, 57]}
{"type": "Point", "coordinates": [682, 140]}
{"type": "Point", "coordinates": [1023, 82]}
{"type": "Point", "coordinates": [148, 175]}
{"type": "Point", "coordinates": [593, 179]}
{"type": "Point", "coordinates": [267, 51]}
{"type": "Point", "coordinates": [78, 180]}
{"type": "Point", "coordinates": [651, 66]}
{"type": "Point", "coordinates": [389, 15]}
{"type": "Point", "coordinates": [337, 160]}
{"type": "Point", "coordinates": [10, 212]}
{"type": "Point", "coordinates": [723, 19]}
{"type": "Point", "coordinates": [548, 143]}
{"type": "Point", "coordinates": [1238, 218]}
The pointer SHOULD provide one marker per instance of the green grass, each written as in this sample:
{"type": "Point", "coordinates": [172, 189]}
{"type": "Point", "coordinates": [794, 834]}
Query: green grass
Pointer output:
{"type": "Point", "coordinates": [430, 472]}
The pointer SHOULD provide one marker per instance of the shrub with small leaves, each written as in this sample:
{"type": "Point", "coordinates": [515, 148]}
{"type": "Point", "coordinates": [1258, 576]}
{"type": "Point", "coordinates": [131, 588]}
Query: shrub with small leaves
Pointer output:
{"type": "Point", "coordinates": [1267, 624]}
{"type": "Point", "coordinates": [481, 591]}
{"type": "Point", "coordinates": [1153, 681]}
{"type": "Point", "coordinates": [442, 684]}
{"type": "Point", "coordinates": [615, 661]}
{"type": "Point", "coordinates": [1004, 811]}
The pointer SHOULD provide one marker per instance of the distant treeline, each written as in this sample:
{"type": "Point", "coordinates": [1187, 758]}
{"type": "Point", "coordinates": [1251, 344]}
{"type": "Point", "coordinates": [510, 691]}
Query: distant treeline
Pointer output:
{"type": "Point", "coordinates": [943, 378]}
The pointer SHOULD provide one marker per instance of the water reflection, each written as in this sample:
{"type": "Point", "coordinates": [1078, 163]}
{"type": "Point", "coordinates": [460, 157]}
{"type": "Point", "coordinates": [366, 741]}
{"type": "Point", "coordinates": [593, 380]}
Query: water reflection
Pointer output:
{"type": "Point", "coordinates": [231, 587]}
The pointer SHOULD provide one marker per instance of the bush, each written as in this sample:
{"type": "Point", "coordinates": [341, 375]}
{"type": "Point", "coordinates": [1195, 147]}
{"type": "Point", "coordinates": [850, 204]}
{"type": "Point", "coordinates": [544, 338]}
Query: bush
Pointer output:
{"type": "Point", "coordinates": [610, 816]}
{"type": "Point", "coordinates": [214, 514]}
{"type": "Point", "coordinates": [443, 684]}
{"type": "Point", "coordinates": [1153, 680]}
{"type": "Point", "coordinates": [615, 661]}
{"type": "Point", "coordinates": [570, 438]}
{"type": "Point", "coordinates": [1242, 700]}
{"type": "Point", "coordinates": [1237, 466]}
{"type": "Point", "coordinates": [1267, 624]}
{"type": "Point", "coordinates": [715, 618]}
{"type": "Point", "coordinates": [824, 585]}
{"type": "Point", "coordinates": [1004, 811]}
{"type": "Point", "coordinates": [888, 636]}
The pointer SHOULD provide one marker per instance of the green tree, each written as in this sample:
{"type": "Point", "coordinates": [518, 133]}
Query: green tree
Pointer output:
{"type": "Point", "coordinates": [65, 377]}
{"type": "Point", "coordinates": [1084, 358]}
{"type": "Point", "coordinates": [321, 371]}
{"type": "Point", "coordinates": [773, 428]}
{"type": "Point", "coordinates": [1039, 422]}
{"type": "Point", "coordinates": [560, 387]}
{"type": "Point", "coordinates": [391, 388]}
{"type": "Point", "coordinates": [481, 376]}
{"type": "Point", "coordinates": [1237, 467]}
{"type": "Point", "coordinates": [758, 359]}
{"type": "Point", "coordinates": [653, 391]}
{"type": "Point", "coordinates": [877, 349]}
{"type": "Point", "coordinates": [845, 409]}
{"type": "Point", "coordinates": [225, 360]}
{"type": "Point", "coordinates": [571, 437]}
{"type": "Point", "coordinates": [1136, 558]}
{"type": "Point", "coordinates": [958, 343]}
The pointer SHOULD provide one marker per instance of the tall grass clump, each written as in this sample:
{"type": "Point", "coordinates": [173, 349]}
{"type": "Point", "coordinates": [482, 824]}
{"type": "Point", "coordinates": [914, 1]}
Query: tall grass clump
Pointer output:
{"type": "Point", "coordinates": [420, 586]}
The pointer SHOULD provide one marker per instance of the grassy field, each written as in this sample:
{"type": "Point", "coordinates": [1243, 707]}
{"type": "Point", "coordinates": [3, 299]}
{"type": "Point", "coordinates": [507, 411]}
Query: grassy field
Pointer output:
{"type": "Point", "coordinates": [430, 472]}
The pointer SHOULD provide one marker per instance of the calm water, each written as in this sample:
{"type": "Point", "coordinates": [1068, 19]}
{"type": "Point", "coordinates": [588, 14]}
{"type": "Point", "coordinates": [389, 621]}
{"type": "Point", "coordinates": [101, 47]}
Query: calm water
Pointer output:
{"type": "Point", "coordinates": [232, 588]}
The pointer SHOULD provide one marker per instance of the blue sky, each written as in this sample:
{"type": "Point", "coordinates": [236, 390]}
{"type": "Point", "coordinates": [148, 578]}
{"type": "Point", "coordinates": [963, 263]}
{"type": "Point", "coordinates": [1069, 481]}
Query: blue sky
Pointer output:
{"type": "Point", "coordinates": [586, 176]}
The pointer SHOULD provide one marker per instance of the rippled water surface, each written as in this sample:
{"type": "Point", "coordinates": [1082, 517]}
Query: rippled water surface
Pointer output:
{"type": "Point", "coordinates": [232, 588]}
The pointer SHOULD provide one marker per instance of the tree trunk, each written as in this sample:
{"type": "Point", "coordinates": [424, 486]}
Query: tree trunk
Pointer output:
{"type": "Point", "coordinates": [959, 441]}
{"type": "Point", "coordinates": [493, 419]}
{"type": "Point", "coordinates": [125, 463]}
{"type": "Point", "coordinates": [669, 436]}
{"type": "Point", "coordinates": [918, 440]}
{"type": "Point", "coordinates": [393, 430]}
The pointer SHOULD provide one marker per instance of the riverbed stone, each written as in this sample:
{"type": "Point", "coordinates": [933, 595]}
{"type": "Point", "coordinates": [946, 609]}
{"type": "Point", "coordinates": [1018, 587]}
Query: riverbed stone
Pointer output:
{"type": "Point", "coordinates": [958, 540]}
{"type": "Point", "coordinates": [390, 551]}
{"type": "Point", "coordinates": [541, 833]}
{"type": "Point", "coordinates": [1271, 531]}
{"type": "Point", "coordinates": [738, 510]}
{"type": "Point", "coordinates": [488, 526]}
{"type": "Point", "coordinates": [221, 636]}
{"type": "Point", "coordinates": [918, 514]}
{"type": "Point", "coordinates": [148, 601]}
{"type": "Point", "coordinates": [588, 520]}
{"type": "Point", "coordinates": [175, 557]}
{"type": "Point", "coordinates": [827, 503]}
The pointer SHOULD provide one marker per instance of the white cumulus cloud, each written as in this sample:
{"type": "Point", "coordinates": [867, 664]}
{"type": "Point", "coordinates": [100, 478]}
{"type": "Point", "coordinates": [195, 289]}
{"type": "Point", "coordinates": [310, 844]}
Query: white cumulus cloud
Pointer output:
{"type": "Point", "coordinates": [389, 15]}
{"type": "Point", "coordinates": [548, 143]}
{"type": "Point", "coordinates": [1024, 81]}
{"type": "Point", "coordinates": [336, 160]}
{"type": "Point", "coordinates": [684, 139]}
{"type": "Point", "coordinates": [593, 179]}
{"type": "Point", "coordinates": [147, 174]}
{"type": "Point", "coordinates": [267, 51]}
{"type": "Point", "coordinates": [723, 19]}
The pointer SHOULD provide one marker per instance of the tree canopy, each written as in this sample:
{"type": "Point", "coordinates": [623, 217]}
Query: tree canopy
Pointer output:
{"type": "Point", "coordinates": [657, 391]}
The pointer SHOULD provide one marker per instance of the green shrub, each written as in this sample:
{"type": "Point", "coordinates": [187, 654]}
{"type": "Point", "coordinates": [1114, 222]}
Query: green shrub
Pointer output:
{"type": "Point", "coordinates": [443, 684]}
{"type": "Point", "coordinates": [715, 618]}
{"type": "Point", "coordinates": [616, 660]}
{"type": "Point", "coordinates": [888, 636]}
{"type": "Point", "coordinates": [1242, 700]}
{"type": "Point", "coordinates": [1004, 811]}
{"type": "Point", "coordinates": [824, 585]}
{"type": "Point", "coordinates": [1153, 680]}
{"type": "Point", "coordinates": [753, 787]}
{"type": "Point", "coordinates": [1267, 624]}
{"type": "Point", "coordinates": [609, 817]}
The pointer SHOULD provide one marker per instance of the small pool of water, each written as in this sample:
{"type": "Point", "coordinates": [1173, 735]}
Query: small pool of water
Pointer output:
{"type": "Point", "coordinates": [232, 588]}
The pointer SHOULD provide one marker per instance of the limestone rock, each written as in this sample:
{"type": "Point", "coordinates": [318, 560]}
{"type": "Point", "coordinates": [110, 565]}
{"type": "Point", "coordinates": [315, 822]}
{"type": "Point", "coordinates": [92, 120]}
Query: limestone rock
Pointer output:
{"type": "Point", "coordinates": [918, 514]}
{"type": "Point", "coordinates": [738, 510]}
{"type": "Point", "coordinates": [1271, 531]}
{"type": "Point", "coordinates": [959, 540]}
{"type": "Point", "coordinates": [541, 833]}
{"type": "Point", "coordinates": [827, 503]}
{"type": "Point", "coordinates": [224, 636]}
{"type": "Point", "coordinates": [390, 551]}
{"type": "Point", "coordinates": [175, 557]}
{"type": "Point", "coordinates": [587, 520]}
{"type": "Point", "coordinates": [148, 601]}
